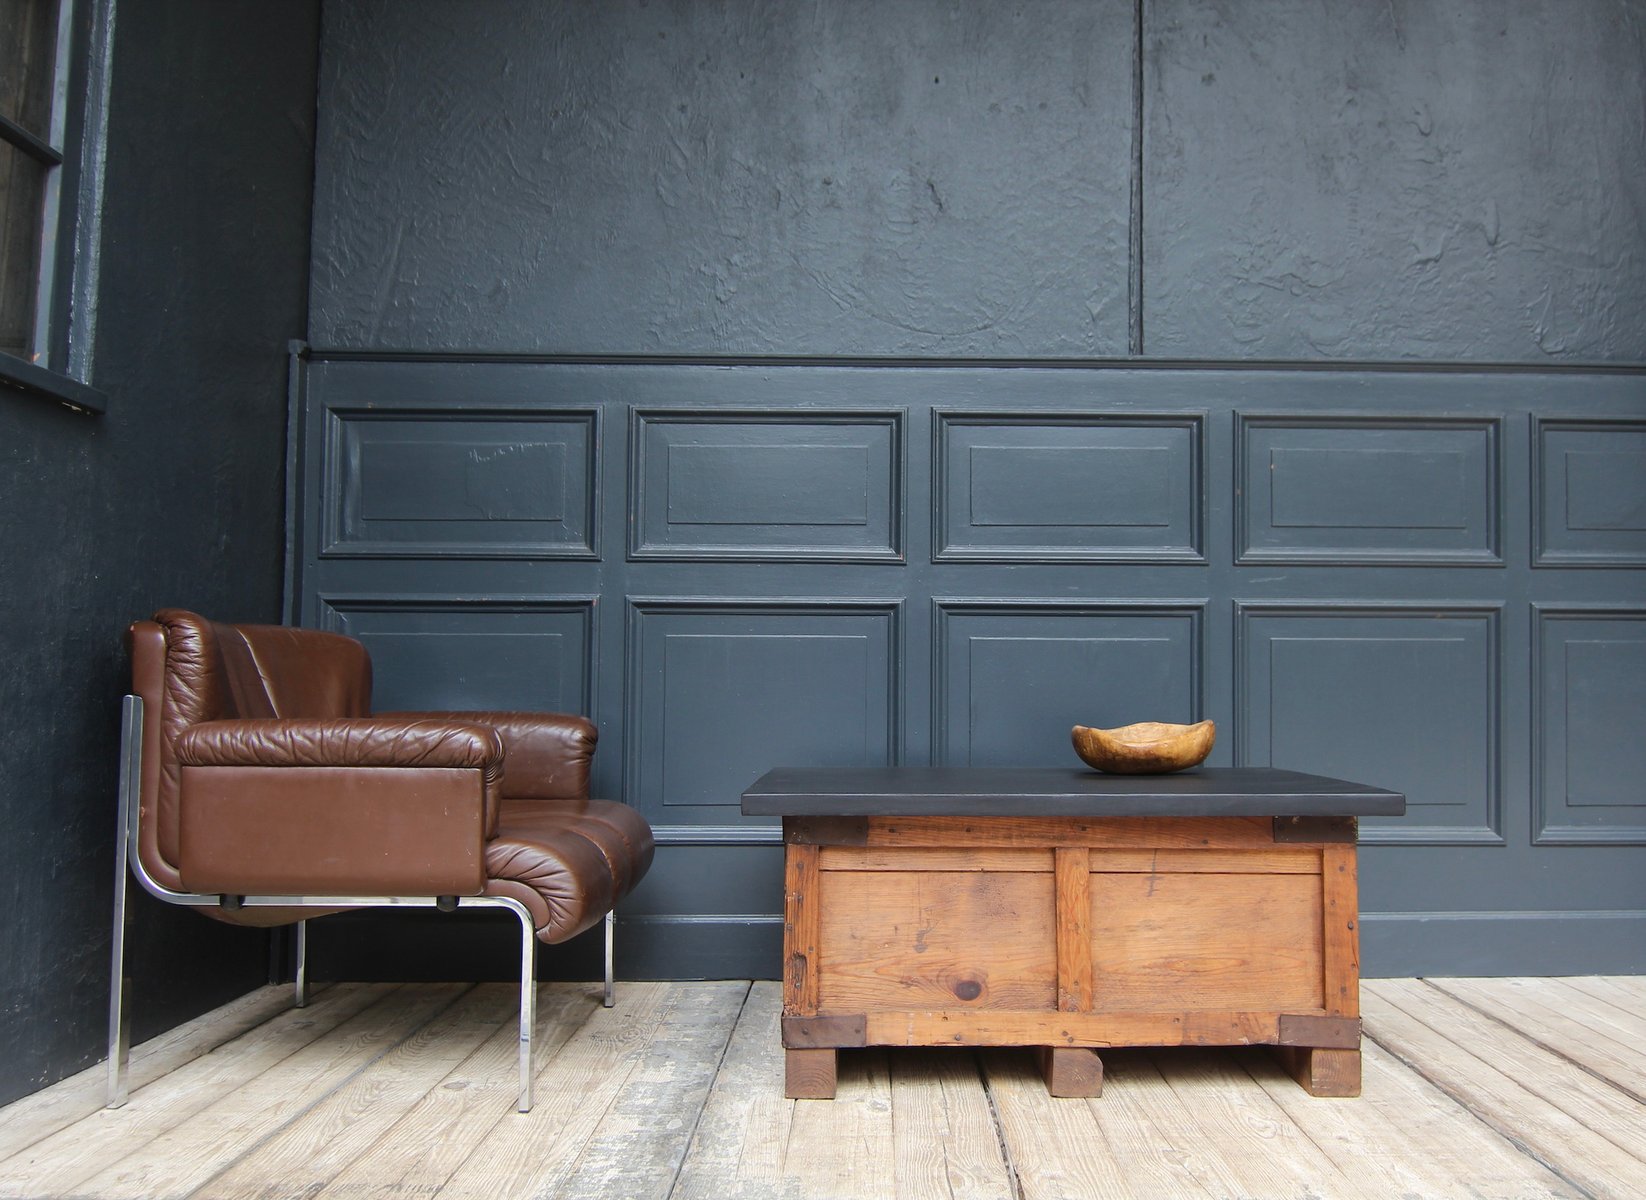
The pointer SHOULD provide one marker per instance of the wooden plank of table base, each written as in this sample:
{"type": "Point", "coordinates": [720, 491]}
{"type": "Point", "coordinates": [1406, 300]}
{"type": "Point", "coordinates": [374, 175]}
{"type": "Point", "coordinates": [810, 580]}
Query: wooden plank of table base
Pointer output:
{"type": "Point", "coordinates": [1074, 936]}
{"type": "Point", "coordinates": [1039, 832]}
{"type": "Point", "coordinates": [1070, 1072]}
{"type": "Point", "coordinates": [978, 941]}
{"type": "Point", "coordinates": [1207, 943]}
{"type": "Point", "coordinates": [1322, 1072]}
{"type": "Point", "coordinates": [932, 858]}
{"type": "Point", "coordinates": [1340, 929]}
{"type": "Point", "coordinates": [801, 907]}
{"type": "Point", "coordinates": [963, 1027]}
{"type": "Point", "coordinates": [809, 1074]}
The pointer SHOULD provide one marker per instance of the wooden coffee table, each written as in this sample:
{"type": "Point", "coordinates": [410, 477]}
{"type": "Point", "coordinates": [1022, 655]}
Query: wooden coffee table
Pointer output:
{"type": "Point", "coordinates": [1068, 911]}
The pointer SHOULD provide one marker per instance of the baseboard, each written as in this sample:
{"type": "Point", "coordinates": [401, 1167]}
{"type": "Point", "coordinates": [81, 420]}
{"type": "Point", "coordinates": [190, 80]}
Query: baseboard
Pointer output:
{"type": "Point", "coordinates": [700, 946]}
{"type": "Point", "coordinates": [1406, 944]}
{"type": "Point", "coordinates": [391, 945]}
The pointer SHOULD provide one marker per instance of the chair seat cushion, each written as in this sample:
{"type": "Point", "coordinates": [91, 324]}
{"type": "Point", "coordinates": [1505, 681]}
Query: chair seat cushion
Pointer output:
{"type": "Point", "coordinates": [569, 862]}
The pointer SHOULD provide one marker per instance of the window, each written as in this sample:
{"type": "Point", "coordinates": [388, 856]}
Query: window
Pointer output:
{"type": "Point", "coordinates": [41, 187]}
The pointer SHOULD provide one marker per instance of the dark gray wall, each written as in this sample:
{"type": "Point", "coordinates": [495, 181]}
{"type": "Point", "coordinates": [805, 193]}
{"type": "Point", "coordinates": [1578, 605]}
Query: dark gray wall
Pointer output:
{"type": "Point", "coordinates": [1341, 180]}
{"type": "Point", "coordinates": [171, 498]}
{"type": "Point", "coordinates": [853, 178]}
{"type": "Point", "coordinates": [1396, 180]}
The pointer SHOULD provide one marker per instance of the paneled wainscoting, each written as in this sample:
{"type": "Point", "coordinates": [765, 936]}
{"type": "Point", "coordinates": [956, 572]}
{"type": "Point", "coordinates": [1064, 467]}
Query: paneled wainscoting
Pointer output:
{"type": "Point", "coordinates": [1478, 1088]}
{"type": "Point", "coordinates": [1431, 580]}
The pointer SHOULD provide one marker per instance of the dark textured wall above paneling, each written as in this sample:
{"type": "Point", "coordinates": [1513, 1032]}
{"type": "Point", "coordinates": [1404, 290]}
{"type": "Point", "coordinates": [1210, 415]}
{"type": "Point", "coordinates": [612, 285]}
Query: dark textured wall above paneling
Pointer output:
{"type": "Point", "coordinates": [1395, 180]}
{"type": "Point", "coordinates": [1374, 181]}
{"type": "Point", "coordinates": [913, 178]}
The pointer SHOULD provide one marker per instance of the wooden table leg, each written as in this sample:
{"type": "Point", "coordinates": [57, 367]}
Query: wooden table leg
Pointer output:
{"type": "Point", "coordinates": [1070, 1071]}
{"type": "Point", "coordinates": [1322, 1072]}
{"type": "Point", "coordinates": [809, 1074]}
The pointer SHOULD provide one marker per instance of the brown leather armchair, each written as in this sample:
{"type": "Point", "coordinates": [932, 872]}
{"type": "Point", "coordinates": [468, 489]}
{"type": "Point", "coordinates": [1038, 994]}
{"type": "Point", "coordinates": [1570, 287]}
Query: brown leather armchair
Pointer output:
{"type": "Point", "coordinates": [257, 787]}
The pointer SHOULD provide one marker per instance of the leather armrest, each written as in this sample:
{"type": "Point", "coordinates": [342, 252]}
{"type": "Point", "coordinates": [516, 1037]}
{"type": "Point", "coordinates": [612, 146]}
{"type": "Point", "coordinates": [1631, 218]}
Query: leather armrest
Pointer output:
{"type": "Point", "coordinates": [548, 754]}
{"type": "Point", "coordinates": [341, 807]}
{"type": "Point", "coordinates": [342, 742]}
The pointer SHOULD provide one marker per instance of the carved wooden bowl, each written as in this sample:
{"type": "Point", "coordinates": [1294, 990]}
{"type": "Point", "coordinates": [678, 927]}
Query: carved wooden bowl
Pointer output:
{"type": "Point", "coordinates": [1148, 748]}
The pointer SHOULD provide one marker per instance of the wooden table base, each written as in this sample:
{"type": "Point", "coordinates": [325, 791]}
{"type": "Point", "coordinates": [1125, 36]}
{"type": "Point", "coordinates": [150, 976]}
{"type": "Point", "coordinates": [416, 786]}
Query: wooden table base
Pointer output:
{"type": "Point", "coordinates": [1071, 935]}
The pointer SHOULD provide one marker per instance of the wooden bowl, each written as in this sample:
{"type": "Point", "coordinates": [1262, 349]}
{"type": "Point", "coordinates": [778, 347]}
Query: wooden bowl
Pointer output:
{"type": "Point", "coordinates": [1148, 748]}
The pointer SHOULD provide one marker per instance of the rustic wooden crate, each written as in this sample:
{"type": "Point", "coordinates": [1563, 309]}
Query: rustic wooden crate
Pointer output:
{"type": "Point", "coordinates": [1071, 935]}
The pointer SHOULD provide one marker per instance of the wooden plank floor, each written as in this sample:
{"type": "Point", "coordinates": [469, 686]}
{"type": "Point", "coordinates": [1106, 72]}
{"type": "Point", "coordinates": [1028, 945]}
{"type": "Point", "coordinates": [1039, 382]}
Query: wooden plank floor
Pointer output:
{"type": "Point", "coordinates": [1477, 1088]}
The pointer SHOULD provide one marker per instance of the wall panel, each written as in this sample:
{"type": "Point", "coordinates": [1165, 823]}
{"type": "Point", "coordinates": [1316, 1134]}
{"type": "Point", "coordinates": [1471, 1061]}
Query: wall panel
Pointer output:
{"type": "Point", "coordinates": [767, 485]}
{"type": "Point", "coordinates": [1066, 487]}
{"type": "Point", "coordinates": [428, 483]}
{"type": "Point", "coordinates": [721, 691]}
{"type": "Point", "coordinates": [1401, 696]}
{"type": "Point", "coordinates": [466, 653]}
{"type": "Point", "coordinates": [1343, 490]}
{"type": "Point", "coordinates": [1011, 680]}
{"type": "Point", "coordinates": [1589, 695]}
{"type": "Point", "coordinates": [1589, 489]}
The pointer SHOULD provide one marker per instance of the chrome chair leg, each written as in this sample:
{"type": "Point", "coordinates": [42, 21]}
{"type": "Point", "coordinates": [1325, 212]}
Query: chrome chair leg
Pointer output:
{"type": "Point", "coordinates": [131, 741]}
{"type": "Point", "coordinates": [119, 1028]}
{"type": "Point", "coordinates": [610, 997]}
{"type": "Point", "coordinates": [528, 1003]}
{"type": "Point", "coordinates": [300, 997]}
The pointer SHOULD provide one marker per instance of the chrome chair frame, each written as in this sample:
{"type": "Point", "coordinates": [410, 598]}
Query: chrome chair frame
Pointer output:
{"type": "Point", "coordinates": [127, 859]}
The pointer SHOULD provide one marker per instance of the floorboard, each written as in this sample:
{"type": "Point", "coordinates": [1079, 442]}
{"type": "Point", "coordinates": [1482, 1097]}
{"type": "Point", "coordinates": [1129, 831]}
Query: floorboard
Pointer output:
{"type": "Point", "coordinates": [432, 1139]}
{"type": "Point", "coordinates": [944, 1144]}
{"type": "Point", "coordinates": [1474, 1089]}
{"type": "Point", "coordinates": [742, 1135]}
{"type": "Point", "coordinates": [842, 1148]}
{"type": "Point", "coordinates": [1556, 1113]}
{"type": "Point", "coordinates": [1598, 1046]}
{"type": "Point", "coordinates": [57, 1165]}
{"type": "Point", "coordinates": [39, 1116]}
{"type": "Point", "coordinates": [309, 1151]}
{"type": "Point", "coordinates": [529, 1153]}
{"type": "Point", "coordinates": [637, 1148]}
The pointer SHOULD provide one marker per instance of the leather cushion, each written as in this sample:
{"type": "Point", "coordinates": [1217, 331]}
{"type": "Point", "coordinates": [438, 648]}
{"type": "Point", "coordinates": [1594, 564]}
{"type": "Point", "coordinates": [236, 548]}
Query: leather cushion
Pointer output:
{"type": "Point", "coordinates": [568, 862]}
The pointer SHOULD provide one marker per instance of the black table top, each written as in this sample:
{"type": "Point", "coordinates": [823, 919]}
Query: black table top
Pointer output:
{"type": "Point", "coordinates": [1060, 792]}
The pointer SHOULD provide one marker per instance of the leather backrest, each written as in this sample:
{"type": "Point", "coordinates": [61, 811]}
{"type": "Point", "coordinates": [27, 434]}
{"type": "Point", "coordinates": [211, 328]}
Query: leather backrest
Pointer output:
{"type": "Point", "coordinates": [188, 669]}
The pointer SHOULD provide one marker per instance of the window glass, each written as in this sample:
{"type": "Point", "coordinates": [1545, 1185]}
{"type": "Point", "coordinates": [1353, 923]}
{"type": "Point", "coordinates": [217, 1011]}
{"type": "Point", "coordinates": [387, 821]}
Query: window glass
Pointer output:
{"type": "Point", "coordinates": [22, 185]}
{"type": "Point", "coordinates": [28, 51]}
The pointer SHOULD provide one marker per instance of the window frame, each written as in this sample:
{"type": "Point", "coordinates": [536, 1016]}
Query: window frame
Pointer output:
{"type": "Point", "coordinates": [59, 360]}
